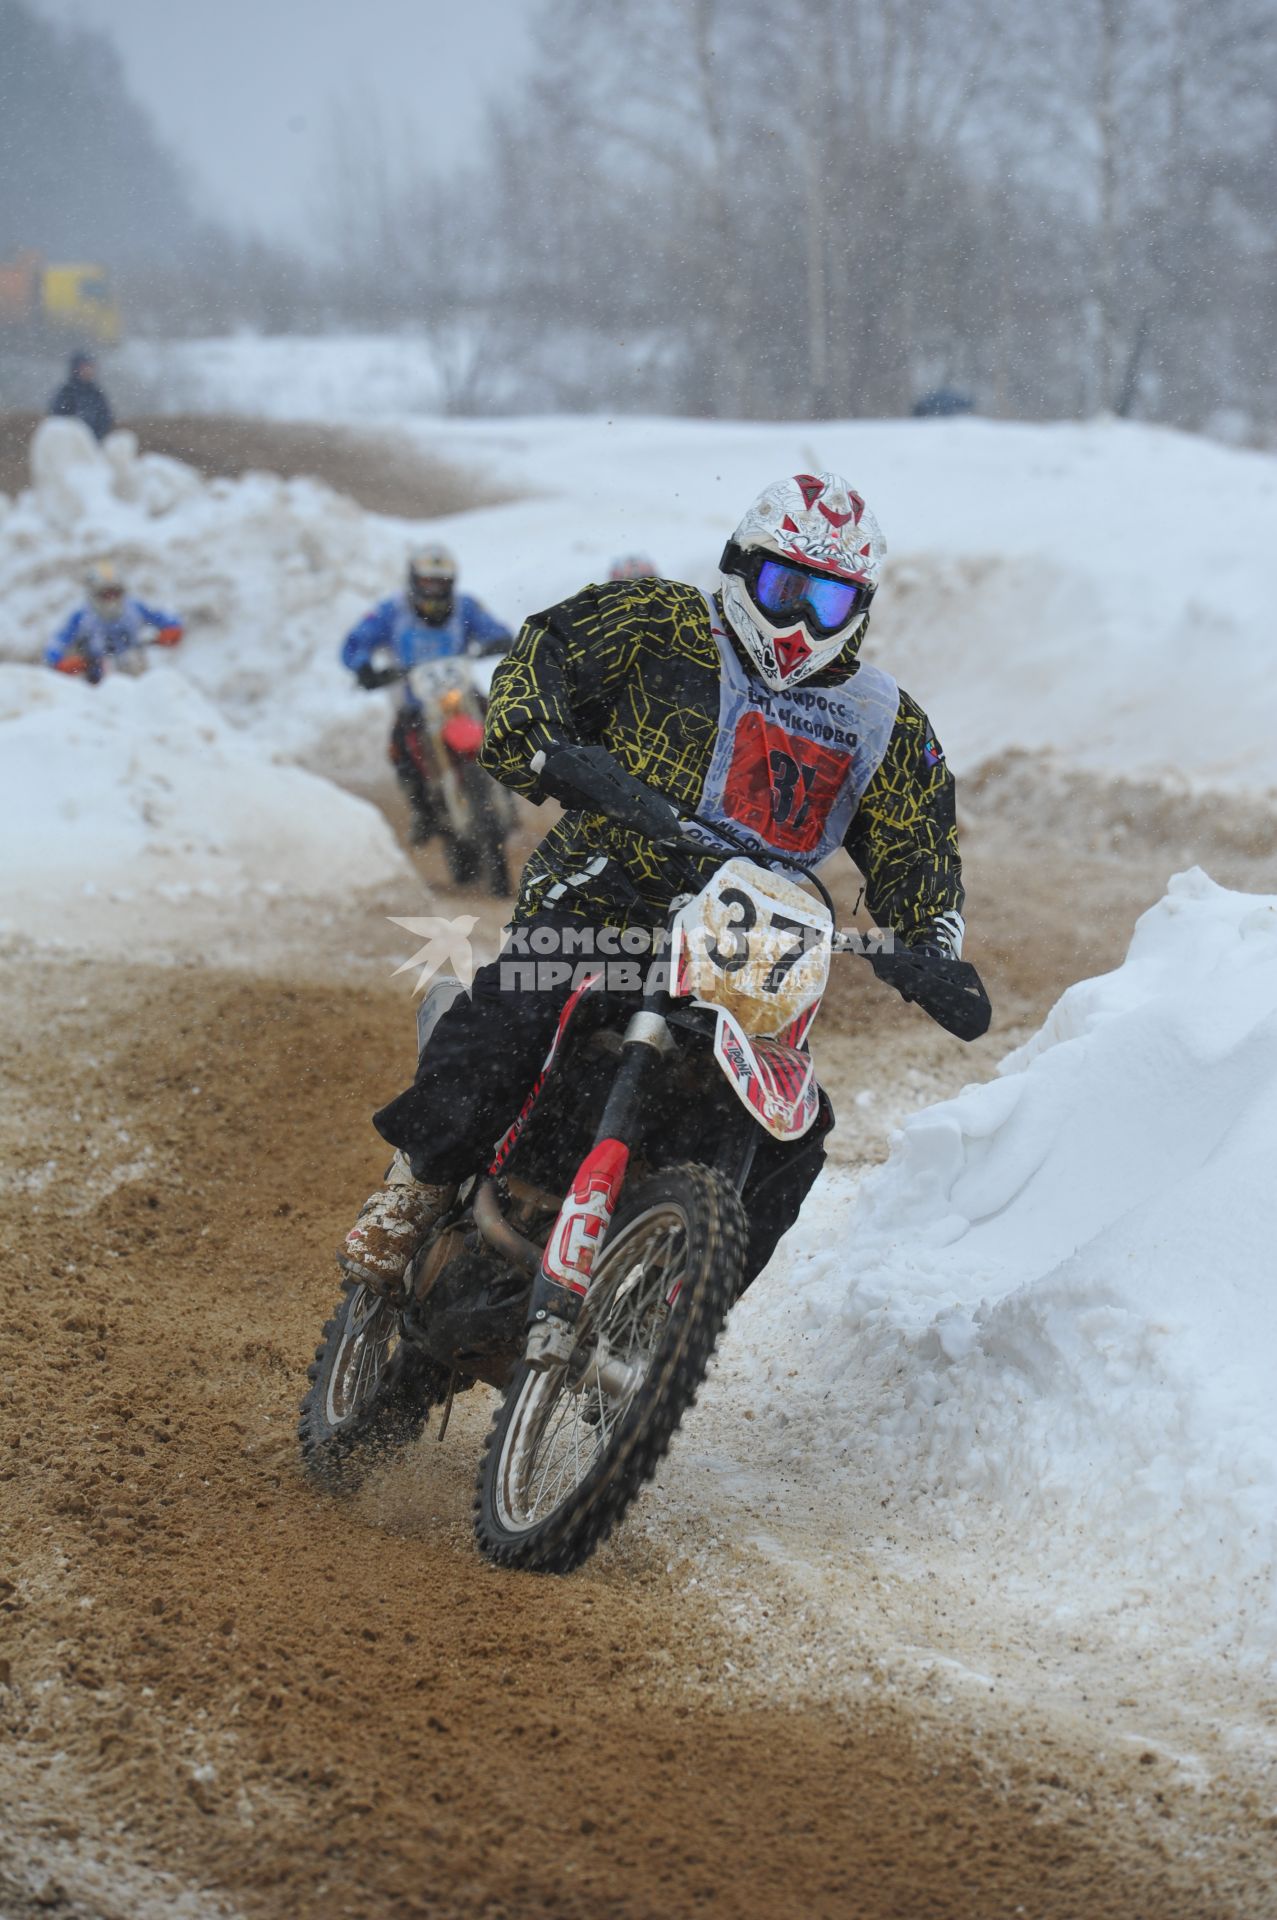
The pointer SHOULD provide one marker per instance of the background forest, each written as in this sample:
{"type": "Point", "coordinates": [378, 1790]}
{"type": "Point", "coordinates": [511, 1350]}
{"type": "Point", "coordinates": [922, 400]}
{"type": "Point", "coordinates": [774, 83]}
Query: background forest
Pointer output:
{"type": "Point", "coordinates": [737, 208]}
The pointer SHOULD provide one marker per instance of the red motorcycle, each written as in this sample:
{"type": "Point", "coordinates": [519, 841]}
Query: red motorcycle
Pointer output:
{"type": "Point", "coordinates": [435, 747]}
{"type": "Point", "coordinates": [588, 1272]}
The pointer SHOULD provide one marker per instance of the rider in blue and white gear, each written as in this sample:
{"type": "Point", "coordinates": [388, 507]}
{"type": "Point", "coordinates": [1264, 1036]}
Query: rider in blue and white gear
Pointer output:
{"type": "Point", "coordinates": [428, 621]}
{"type": "Point", "coordinates": [110, 626]}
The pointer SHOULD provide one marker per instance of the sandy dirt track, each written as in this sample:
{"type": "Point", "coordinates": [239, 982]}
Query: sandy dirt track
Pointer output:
{"type": "Point", "coordinates": [222, 1694]}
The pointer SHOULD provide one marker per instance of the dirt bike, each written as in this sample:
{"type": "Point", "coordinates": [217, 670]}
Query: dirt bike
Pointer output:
{"type": "Point", "coordinates": [587, 1273]}
{"type": "Point", "coordinates": [441, 733]}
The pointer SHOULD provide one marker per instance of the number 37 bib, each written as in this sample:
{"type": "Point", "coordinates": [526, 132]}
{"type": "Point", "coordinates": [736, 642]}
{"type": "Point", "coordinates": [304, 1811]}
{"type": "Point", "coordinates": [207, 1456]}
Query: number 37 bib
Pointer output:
{"type": "Point", "coordinates": [789, 769]}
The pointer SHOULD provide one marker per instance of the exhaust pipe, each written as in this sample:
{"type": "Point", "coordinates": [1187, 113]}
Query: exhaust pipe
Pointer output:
{"type": "Point", "coordinates": [499, 1234]}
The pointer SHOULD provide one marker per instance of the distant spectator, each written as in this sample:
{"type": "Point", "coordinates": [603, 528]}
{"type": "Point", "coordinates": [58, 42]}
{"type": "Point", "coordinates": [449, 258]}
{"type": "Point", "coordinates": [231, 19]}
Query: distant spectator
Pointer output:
{"type": "Point", "coordinates": [634, 566]}
{"type": "Point", "coordinates": [81, 398]}
{"type": "Point", "coordinates": [942, 403]}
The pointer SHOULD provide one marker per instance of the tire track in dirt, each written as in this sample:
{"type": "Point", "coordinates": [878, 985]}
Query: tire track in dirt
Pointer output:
{"type": "Point", "coordinates": [289, 1705]}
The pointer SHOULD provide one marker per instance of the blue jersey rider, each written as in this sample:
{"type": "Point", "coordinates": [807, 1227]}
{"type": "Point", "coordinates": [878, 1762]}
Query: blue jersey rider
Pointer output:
{"type": "Point", "coordinates": [111, 626]}
{"type": "Point", "coordinates": [430, 620]}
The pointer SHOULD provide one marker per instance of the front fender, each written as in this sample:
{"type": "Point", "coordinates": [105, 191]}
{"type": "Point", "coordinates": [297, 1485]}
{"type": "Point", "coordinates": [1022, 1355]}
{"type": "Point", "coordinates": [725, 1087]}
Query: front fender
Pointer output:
{"type": "Point", "coordinates": [775, 1083]}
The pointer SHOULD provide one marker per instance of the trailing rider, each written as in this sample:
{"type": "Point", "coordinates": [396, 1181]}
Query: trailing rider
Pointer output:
{"type": "Point", "coordinates": [429, 620]}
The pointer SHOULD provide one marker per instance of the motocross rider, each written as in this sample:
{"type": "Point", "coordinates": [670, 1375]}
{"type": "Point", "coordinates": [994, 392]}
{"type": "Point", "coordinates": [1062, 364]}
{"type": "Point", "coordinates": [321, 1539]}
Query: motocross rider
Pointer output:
{"type": "Point", "coordinates": [752, 709]}
{"type": "Point", "coordinates": [430, 620]}
{"type": "Point", "coordinates": [110, 626]}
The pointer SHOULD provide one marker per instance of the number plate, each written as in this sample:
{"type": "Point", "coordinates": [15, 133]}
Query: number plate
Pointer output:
{"type": "Point", "coordinates": [754, 944]}
{"type": "Point", "coordinates": [431, 679]}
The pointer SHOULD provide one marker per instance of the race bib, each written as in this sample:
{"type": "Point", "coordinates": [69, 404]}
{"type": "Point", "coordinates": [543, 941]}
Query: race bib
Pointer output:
{"type": "Point", "coordinates": [789, 769]}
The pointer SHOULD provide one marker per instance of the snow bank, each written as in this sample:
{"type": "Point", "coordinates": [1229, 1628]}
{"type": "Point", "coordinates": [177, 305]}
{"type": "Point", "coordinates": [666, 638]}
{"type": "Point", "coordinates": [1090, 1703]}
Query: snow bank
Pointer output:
{"type": "Point", "coordinates": [1050, 1322]}
{"type": "Point", "coordinates": [1098, 592]}
{"type": "Point", "coordinates": [77, 484]}
{"type": "Point", "coordinates": [140, 811]}
{"type": "Point", "coordinates": [138, 791]}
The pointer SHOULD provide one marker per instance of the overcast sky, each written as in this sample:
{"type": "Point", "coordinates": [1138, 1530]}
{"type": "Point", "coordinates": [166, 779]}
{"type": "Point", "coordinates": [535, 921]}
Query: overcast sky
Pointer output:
{"type": "Point", "coordinates": [241, 88]}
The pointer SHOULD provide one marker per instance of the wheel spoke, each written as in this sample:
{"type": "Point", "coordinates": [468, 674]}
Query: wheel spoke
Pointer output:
{"type": "Point", "coordinates": [361, 1358]}
{"type": "Point", "coordinates": [560, 1430]}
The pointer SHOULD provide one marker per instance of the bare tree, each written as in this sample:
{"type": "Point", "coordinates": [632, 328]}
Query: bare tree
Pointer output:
{"type": "Point", "coordinates": [819, 206]}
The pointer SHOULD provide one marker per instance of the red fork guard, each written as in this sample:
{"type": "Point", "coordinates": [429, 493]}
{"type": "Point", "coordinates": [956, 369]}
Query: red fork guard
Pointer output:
{"type": "Point", "coordinates": [463, 735]}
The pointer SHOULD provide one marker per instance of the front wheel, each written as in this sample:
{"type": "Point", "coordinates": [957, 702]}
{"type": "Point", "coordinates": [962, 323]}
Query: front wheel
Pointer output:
{"type": "Point", "coordinates": [369, 1391]}
{"type": "Point", "coordinates": [489, 825]}
{"type": "Point", "coordinates": [571, 1447]}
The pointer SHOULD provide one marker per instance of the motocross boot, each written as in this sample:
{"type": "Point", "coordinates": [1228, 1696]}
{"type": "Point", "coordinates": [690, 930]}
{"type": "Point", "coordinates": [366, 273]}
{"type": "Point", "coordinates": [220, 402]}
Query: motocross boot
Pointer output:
{"type": "Point", "coordinates": [393, 1223]}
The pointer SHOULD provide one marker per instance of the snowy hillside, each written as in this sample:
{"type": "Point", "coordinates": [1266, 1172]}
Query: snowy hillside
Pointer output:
{"type": "Point", "coordinates": [141, 794]}
{"type": "Point", "coordinates": [267, 573]}
{"type": "Point", "coordinates": [1099, 592]}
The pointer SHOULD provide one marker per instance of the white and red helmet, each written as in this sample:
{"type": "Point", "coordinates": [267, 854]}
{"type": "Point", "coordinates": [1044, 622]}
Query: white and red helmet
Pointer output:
{"type": "Point", "coordinates": [799, 574]}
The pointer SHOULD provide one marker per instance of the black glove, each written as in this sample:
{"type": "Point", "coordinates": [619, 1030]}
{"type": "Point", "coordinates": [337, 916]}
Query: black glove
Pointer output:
{"type": "Point", "coordinates": [950, 990]}
{"type": "Point", "coordinates": [591, 777]}
{"type": "Point", "coordinates": [373, 677]}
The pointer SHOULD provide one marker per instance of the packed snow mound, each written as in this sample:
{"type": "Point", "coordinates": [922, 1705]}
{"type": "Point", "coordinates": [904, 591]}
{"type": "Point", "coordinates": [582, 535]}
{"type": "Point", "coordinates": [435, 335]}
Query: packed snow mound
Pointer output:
{"type": "Point", "coordinates": [78, 483]}
{"type": "Point", "coordinates": [138, 790]}
{"type": "Point", "coordinates": [1049, 1319]}
{"type": "Point", "coordinates": [268, 574]}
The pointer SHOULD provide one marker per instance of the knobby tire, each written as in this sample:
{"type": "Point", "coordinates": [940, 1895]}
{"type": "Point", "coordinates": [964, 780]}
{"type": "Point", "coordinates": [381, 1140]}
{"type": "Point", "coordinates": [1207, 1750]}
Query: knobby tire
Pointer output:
{"type": "Point", "coordinates": [716, 1236]}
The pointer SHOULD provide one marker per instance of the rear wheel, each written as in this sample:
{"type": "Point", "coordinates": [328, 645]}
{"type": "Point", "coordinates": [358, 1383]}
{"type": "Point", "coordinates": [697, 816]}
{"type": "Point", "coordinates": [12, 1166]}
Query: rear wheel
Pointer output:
{"type": "Point", "coordinates": [370, 1391]}
{"type": "Point", "coordinates": [571, 1447]}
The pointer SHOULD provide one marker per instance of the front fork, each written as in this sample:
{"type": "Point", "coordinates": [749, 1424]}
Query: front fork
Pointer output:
{"type": "Point", "coordinates": [567, 1264]}
{"type": "Point", "coordinates": [449, 785]}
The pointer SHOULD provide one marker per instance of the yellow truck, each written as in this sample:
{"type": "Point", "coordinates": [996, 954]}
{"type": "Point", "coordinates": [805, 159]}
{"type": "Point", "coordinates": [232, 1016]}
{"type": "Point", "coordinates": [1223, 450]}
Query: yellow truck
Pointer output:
{"type": "Point", "coordinates": [39, 302]}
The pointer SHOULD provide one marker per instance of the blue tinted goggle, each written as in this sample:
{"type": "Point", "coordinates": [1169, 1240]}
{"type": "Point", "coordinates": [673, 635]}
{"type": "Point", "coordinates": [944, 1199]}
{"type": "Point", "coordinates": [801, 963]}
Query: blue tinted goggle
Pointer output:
{"type": "Point", "coordinates": [823, 603]}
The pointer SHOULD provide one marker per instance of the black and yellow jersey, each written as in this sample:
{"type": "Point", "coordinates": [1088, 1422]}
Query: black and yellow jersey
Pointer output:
{"type": "Point", "coordinates": [634, 665]}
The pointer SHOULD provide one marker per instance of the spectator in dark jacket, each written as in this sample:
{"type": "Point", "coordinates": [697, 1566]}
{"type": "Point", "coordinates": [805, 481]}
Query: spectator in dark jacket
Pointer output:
{"type": "Point", "coordinates": [81, 398]}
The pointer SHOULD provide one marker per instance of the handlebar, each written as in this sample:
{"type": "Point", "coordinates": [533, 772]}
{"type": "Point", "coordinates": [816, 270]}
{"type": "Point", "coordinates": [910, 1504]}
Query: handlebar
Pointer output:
{"type": "Point", "coordinates": [950, 990]}
{"type": "Point", "coordinates": [372, 678]}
